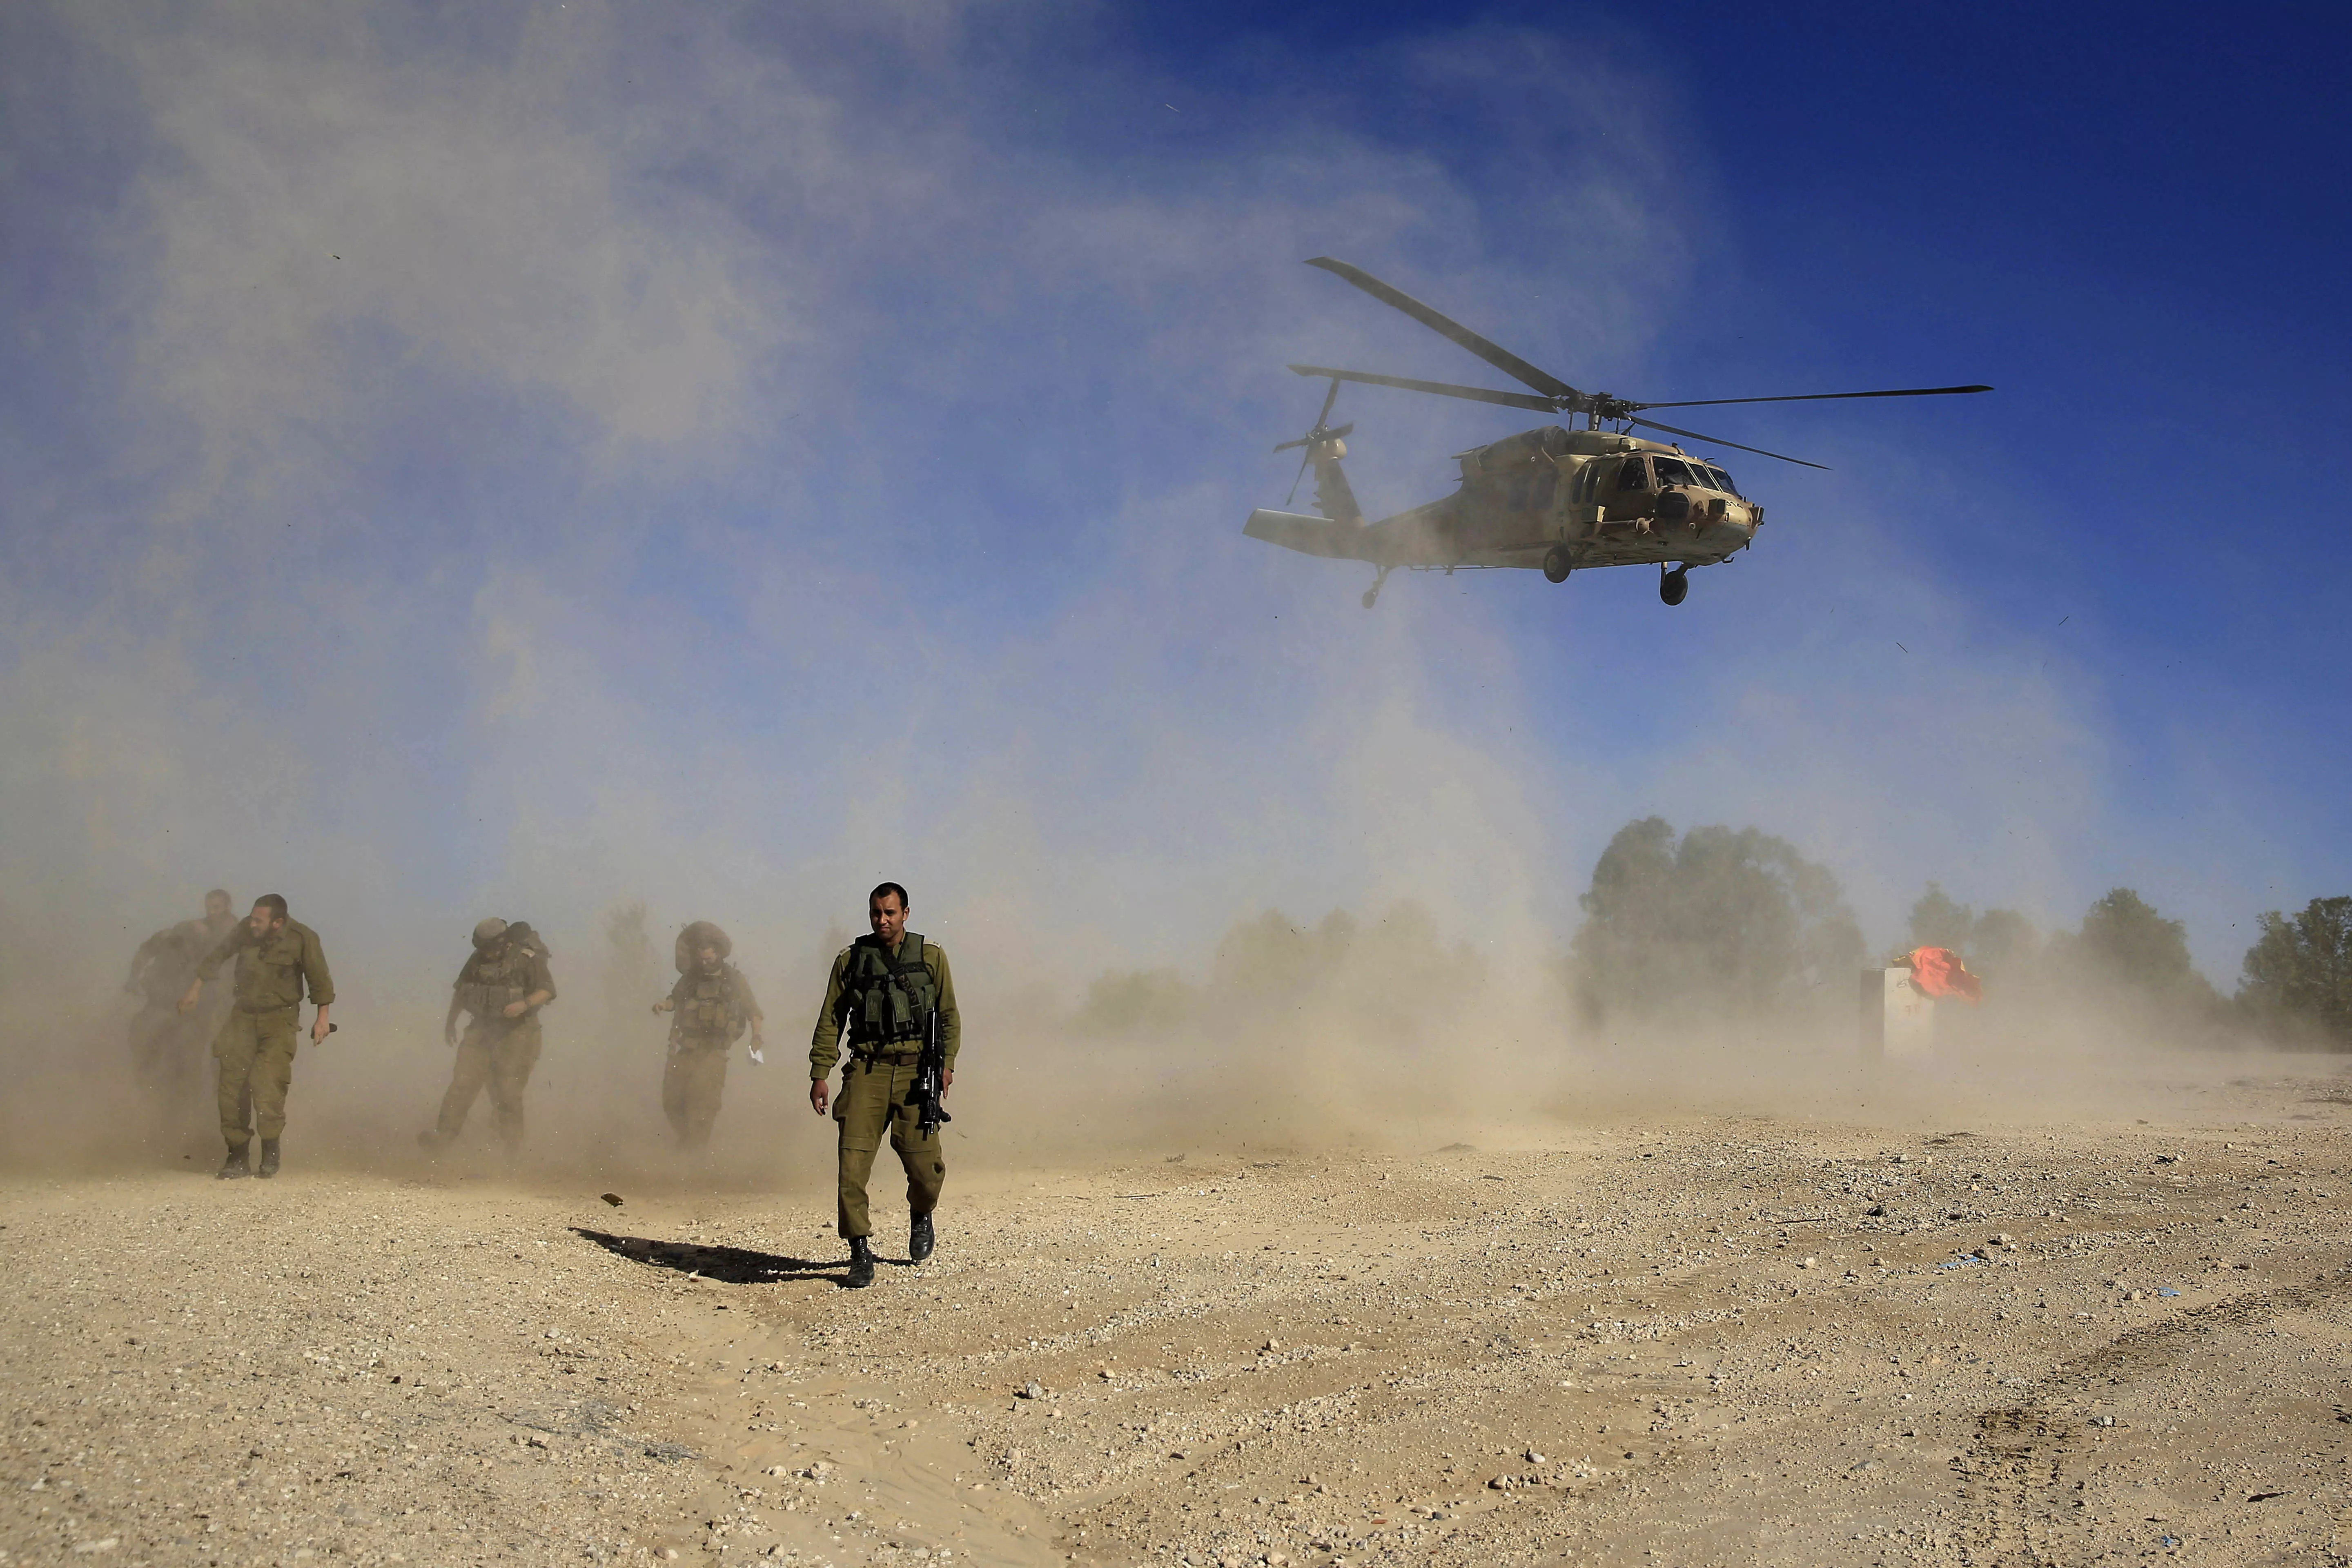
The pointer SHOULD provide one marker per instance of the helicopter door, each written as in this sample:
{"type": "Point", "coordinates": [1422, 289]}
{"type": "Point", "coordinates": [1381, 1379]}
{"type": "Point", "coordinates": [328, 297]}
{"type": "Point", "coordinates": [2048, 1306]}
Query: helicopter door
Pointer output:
{"type": "Point", "coordinates": [1531, 499]}
{"type": "Point", "coordinates": [1584, 493]}
{"type": "Point", "coordinates": [1626, 493]}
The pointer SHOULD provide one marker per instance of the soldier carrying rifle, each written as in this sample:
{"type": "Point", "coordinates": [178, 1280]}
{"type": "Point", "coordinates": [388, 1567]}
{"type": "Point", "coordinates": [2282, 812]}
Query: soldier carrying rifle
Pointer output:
{"type": "Point", "coordinates": [893, 993]}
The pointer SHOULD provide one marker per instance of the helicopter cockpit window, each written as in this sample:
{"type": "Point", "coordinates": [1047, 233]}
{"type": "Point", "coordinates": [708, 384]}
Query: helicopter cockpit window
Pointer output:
{"type": "Point", "coordinates": [1723, 482]}
{"type": "Point", "coordinates": [1671, 472]}
{"type": "Point", "coordinates": [1633, 475]}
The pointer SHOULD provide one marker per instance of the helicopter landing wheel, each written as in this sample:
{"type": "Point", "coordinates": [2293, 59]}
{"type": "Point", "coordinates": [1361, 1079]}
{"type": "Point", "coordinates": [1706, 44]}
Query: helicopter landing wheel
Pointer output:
{"type": "Point", "coordinates": [1675, 586]}
{"type": "Point", "coordinates": [1373, 594]}
{"type": "Point", "coordinates": [1556, 563]}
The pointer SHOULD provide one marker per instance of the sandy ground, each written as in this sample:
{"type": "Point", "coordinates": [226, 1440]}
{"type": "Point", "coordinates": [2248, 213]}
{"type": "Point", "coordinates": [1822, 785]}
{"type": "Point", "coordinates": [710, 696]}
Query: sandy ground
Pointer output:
{"type": "Point", "coordinates": [1685, 1338]}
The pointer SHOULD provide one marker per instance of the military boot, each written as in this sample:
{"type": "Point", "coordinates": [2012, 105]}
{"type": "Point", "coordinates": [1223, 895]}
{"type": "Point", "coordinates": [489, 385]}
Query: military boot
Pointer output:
{"type": "Point", "coordinates": [268, 1166]}
{"type": "Point", "coordinates": [861, 1264]}
{"type": "Point", "coordinates": [234, 1168]}
{"type": "Point", "coordinates": [919, 1240]}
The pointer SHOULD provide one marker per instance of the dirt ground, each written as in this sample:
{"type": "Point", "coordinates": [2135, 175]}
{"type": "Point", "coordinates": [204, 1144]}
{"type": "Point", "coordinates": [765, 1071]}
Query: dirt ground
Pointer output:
{"type": "Point", "coordinates": [1642, 1339]}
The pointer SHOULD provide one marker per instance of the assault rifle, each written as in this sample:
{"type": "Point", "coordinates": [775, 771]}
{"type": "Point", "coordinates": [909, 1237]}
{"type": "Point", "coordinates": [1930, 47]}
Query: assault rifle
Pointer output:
{"type": "Point", "coordinates": [930, 1071]}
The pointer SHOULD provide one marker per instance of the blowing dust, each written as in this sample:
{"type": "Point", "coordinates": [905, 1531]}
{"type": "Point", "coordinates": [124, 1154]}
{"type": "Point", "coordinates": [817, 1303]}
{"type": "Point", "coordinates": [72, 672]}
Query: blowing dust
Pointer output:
{"type": "Point", "coordinates": [507, 529]}
{"type": "Point", "coordinates": [1376, 1034]}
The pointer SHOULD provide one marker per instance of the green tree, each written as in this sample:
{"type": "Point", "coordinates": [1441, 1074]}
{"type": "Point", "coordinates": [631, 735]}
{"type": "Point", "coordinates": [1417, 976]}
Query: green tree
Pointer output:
{"type": "Point", "coordinates": [1998, 942]}
{"type": "Point", "coordinates": [2125, 936]}
{"type": "Point", "coordinates": [1938, 921]}
{"type": "Point", "coordinates": [1386, 977]}
{"type": "Point", "coordinates": [2002, 942]}
{"type": "Point", "coordinates": [2298, 975]}
{"type": "Point", "coordinates": [1723, 919]}
{"type": "Point", "coordinates": [2125, 942]}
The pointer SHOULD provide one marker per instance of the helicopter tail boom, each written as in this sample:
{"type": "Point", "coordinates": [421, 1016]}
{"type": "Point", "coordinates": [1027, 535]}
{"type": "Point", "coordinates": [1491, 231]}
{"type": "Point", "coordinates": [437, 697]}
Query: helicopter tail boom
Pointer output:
{"type": "Point", "coordinates": [1331, 538]}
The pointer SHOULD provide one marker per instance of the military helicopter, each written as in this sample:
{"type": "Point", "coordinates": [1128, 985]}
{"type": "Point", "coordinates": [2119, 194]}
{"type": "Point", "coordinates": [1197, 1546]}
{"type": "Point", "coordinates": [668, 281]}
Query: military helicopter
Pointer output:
{"type": "Point", "coordinates": [1555, 497]}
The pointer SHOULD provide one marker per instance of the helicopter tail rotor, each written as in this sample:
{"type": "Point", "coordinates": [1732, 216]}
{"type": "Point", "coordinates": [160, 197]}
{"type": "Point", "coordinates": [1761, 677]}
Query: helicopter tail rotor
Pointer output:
{"type": "Point", "coordinates": [1314, 438]}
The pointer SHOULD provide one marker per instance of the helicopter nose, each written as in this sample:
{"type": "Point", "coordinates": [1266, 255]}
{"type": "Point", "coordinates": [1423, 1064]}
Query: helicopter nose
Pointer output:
{"type": "Point", "coordinates": [1721, 518]}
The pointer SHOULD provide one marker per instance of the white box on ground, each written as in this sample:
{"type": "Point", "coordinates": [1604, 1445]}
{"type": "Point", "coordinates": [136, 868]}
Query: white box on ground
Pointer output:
{"type": "Point", "coordinates": [1898, 1019]}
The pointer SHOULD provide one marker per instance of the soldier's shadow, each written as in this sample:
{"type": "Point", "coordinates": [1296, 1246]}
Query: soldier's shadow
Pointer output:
{"type": "Point", "coordinates": [729, 1264]}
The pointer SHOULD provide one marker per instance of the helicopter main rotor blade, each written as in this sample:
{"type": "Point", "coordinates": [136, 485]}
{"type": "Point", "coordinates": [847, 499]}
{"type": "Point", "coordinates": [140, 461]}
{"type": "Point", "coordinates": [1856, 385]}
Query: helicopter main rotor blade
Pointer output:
{"type": "Point", "coordinates": [1719, 441]}
{"type": "Point", "coordinates": [1501, 358]}
{"type": "Point", "coordinates": [1816, 396]}
{"type": "Point", "coordinates": [1441, 388]}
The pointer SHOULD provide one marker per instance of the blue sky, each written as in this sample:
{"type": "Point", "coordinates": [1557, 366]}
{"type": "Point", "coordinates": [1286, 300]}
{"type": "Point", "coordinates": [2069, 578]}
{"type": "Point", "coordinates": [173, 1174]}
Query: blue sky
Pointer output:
{"type": "Point", "coordinates": [527, 456]}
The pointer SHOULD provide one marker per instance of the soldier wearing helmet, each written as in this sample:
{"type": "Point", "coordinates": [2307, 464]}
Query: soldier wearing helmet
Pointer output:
{"type": "Point", "coordinates": [501, 988]}
{"type": "Point", "coordinates": [714, 1006]}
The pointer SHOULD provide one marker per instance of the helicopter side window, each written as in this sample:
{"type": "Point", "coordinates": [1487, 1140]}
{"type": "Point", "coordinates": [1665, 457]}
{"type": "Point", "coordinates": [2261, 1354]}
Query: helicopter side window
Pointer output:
{"type": "Point", "coordinates": [1723, 482]}
{"type": "Point", "coordinates": [1632, 475]}
{"type": "Point", "coordinates": [1671, 472]}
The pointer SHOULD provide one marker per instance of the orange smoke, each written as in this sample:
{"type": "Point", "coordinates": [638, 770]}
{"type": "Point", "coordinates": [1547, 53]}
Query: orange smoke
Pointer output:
{"type": "Point", "coordinates": [1938, 972]}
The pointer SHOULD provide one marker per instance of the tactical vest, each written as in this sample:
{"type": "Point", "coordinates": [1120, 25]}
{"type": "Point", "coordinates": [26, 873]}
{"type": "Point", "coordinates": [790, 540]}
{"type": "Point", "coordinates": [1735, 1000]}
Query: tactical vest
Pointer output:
{"type": "Point", "coordinates": [887, 1002]}
{"type": "Point", "coordinates": [710, 1007]}
{"type": "Point", "coordinates": [496, 985]}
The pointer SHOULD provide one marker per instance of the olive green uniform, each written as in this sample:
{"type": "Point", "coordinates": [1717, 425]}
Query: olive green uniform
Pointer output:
{"type": "Point", "coordinates": [884, 1024]}
{"type": "Point", "coordinates": [495, 1051]}
{"type": "Point", "coordinates": [165, 1042]}
{"type": "Point", "coordinates": [708, 1014]}
{"type": "Point", "coordinates": [255, 1045]}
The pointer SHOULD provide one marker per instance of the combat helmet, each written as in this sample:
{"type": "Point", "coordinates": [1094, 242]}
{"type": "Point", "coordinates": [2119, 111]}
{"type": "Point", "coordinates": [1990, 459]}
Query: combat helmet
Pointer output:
{"type": "Point", "coordinates": [697, 935]}
{"type": "Point", "coordinates": [490, 932]}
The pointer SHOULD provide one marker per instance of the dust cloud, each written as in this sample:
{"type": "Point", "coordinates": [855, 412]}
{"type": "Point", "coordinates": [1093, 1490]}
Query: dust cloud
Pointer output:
{"type": "Point", "coordinates": [574, 468]}
{"type": "Point", "coordinates": [614, 467]}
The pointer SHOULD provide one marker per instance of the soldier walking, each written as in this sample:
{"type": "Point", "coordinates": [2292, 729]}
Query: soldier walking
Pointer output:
{"type": "Point", "coordinates": [714, 1006]}
{"type": "Point", "coordinates": [883, 988]}
{"type": "Point", "coordinates": [276, 960]}
{"type": "Point", "coordinates": [500, 988]}
{"type": "Point", "coordinates": [165, 1041]}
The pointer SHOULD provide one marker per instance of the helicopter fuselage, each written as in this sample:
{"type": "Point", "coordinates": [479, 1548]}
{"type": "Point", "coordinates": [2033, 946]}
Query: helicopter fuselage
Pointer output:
{"type": "Point", "coordinates": [1555, 499]}
{"type": "Point", "coordinates": [1552, 499]}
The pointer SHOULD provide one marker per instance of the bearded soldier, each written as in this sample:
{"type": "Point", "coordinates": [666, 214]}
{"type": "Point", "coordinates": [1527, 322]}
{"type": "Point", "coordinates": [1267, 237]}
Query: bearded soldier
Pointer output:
{"type": "Point", "coordinates": [714, 1006]}
{"type": "Point", "coordinates": [503, 984]}
{"type": "Point", "coordinates": [885, 987]}
{"type": "Point", "coordinates": [165, 1041]}
{"type": "Point", "coordinates": [276, 960]}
